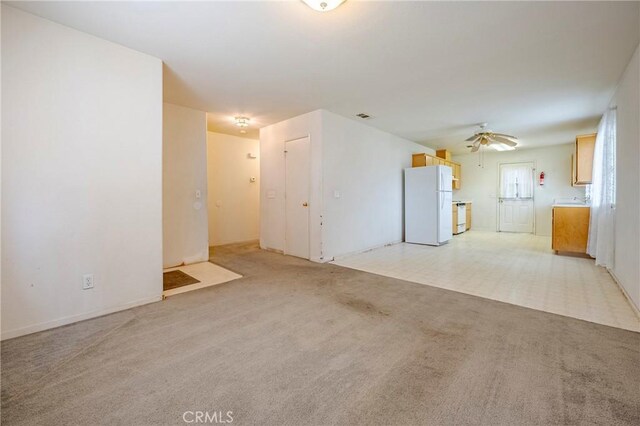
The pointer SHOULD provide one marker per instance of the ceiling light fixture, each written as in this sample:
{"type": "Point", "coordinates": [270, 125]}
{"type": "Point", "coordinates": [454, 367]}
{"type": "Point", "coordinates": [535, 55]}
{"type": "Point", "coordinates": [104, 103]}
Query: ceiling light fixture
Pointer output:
{"type": "Point", "coordinates": [323, 5]}
{"type": "Point", "coordinates": [242, 122]}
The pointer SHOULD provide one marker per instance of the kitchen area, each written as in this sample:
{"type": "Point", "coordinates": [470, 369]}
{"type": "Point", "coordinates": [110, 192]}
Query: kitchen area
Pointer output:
{"type": "Point", "coordinates": [571, 216]}
{"type": "Point", "coordinates": [535, 269]}
{"type": "Point", "coordinates": [461, 210]}
{"type": "Point", "coordinates": [561, 206]}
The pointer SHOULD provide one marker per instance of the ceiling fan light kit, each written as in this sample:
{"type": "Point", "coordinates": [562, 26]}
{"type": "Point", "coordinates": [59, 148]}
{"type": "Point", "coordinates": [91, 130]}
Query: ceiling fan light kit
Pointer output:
{"type": "Point", "coordinates": [497, 141]}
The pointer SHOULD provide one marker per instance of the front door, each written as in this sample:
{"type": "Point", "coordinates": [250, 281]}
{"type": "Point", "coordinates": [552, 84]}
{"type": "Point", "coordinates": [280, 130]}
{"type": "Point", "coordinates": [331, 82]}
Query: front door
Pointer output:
{"type": "Point", "coordinates": [516, 204]}
{"type": "Point", "coordinates": [297, 197]}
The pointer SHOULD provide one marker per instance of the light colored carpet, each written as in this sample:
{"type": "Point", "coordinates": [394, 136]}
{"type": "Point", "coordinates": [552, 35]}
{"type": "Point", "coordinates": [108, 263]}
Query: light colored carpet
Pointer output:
{"type": "Point", "coordinates": [294, 342]}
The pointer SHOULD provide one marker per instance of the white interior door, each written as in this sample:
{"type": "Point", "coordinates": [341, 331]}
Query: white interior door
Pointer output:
{"type": "Point", "coordinates": [297, 197]}
{"type": "Point", "coordinates": [516, 204]}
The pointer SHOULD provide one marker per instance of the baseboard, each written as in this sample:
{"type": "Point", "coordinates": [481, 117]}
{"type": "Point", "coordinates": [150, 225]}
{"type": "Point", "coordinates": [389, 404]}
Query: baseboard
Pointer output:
{"type": "Point", "coordinates": [342, 256]}
{"type": "Point", "coordinates": [626, 295]}
{"type": "Point", "coordinates": [34, 328]}
{"type": "Point", "coordinates": [253, 240]}
{"type": "Point", "coordinates": [272, 250]}
{"type": "Point", "coordinates": [189, 261]}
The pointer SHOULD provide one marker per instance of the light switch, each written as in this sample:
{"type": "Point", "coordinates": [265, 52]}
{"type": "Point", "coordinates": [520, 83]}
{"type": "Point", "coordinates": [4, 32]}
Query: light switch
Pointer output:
{"type": "Point", "coordinates": [336, 194]}
{"type": "Point", "coordinates": [198, 194]}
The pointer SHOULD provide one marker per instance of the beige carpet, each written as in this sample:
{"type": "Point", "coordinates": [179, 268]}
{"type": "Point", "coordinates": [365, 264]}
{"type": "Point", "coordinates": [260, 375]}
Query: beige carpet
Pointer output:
{"type": "Point", "coordinates": [294, 343]}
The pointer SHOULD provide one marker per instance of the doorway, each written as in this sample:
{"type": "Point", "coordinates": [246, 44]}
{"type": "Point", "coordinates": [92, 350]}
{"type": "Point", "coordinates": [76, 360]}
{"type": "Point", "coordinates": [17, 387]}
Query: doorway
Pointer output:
{"type": "Point", "coordinates": [516, 202]}
{"type": "Point", "coordinates": [297, 165]}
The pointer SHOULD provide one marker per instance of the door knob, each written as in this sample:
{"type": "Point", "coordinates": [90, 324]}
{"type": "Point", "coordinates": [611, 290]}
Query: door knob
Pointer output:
{"type": "Point", "coordinates": [305, 204]}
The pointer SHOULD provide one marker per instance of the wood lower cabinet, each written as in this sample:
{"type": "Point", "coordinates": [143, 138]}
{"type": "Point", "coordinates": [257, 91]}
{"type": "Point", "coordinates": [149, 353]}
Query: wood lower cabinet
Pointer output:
{"type": "Point", "coordinates": [570, 229]}
{"type": "Point", "coordinates": [468, 219]}
{"type": "Point", "coordinates": [454, 222]}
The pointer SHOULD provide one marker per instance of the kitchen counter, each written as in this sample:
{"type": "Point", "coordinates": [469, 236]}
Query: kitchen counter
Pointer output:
{"type": "Point", "coordinates": [462, 201]}
{"type": "Point", "coordinates": [570, 227]}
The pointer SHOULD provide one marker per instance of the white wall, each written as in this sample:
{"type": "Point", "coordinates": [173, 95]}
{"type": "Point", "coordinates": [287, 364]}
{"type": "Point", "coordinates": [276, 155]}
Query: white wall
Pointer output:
{"type": "Point", "coordinates": [234, 201]}
{"type": "Point", "coordinates": [480, 185]}
{"type": "Point", "coordinates": [365, 165]}
{"type": "Point", "coordinates": [272, 176]}
{"type": "Point", "coordinates": [184, 215]}
{"type": "Point", "coordinates": [81, 175]}
{"type": "Point", "coordinates": [627, 238]}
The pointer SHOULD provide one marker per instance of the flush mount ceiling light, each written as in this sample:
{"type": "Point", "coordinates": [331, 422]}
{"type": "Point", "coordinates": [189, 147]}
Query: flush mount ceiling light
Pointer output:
{"type": "Point", "coordinates": [242, 122]}
{"type": "Point", "coordinates": [323, 5]}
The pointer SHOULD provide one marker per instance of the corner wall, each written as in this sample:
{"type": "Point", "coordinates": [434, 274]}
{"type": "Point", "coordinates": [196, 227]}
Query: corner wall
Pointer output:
{"type": "Point", "coordinates": [184, 172]}
{"type": "Point", "coordinates": [272, 177]}
{"type": "Point", "coordinates": [234, 201]}
{"type": "Point", "coordinates": [363, 185]}
{"type": "Point", "coordinates": [81, 175]}
{"type": "Point", "coordinates": [627, 220]}
{"type": "Point", "coordinates": [480, 185]}
{"type": "Point", "coordinates": [363, 164]}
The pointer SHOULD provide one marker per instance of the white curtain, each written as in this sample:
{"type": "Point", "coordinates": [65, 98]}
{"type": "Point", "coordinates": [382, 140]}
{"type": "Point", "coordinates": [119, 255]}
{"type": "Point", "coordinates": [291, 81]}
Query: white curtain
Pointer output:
{"type": "Point", "coordinates": [603, 192]}
{"type": "Point", "coordinates": [516, 181]}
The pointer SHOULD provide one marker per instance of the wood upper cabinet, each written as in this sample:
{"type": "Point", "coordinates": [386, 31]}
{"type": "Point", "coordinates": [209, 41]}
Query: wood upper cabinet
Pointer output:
{"type": "Point", "coordinates": [422, 159]}
{"type": "Point", "coordinates": [570, 229]}
{"type": "Point", "coordinates": [443, 153]}
{"type": "Point", "coordinates": [582, 160]}
{"type": "Point", "coordinates": [457, 179]}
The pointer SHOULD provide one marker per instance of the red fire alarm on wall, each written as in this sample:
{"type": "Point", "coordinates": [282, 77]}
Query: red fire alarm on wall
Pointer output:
{"type": "Point", "coordinates": [541, 178]}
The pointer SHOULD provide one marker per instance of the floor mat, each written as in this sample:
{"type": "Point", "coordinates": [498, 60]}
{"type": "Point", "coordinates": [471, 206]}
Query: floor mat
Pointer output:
{"type": "Point", "coordinates": [206, 274]}
{"type": "Point", "coordinates": [175, 279]}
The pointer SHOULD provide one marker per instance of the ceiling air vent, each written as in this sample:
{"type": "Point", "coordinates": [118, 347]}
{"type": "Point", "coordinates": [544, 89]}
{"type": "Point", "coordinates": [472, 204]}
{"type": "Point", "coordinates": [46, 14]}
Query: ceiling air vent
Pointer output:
{"type": "Point", "coordinates": [363, 116]}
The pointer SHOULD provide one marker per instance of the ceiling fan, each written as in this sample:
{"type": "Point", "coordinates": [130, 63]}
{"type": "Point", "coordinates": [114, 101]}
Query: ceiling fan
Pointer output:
{"type": "Point", "coordinates": [498, 141]}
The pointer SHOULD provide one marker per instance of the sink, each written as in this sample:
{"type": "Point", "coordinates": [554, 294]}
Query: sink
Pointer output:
{"type": "Point", "coordinates": [569, 202]}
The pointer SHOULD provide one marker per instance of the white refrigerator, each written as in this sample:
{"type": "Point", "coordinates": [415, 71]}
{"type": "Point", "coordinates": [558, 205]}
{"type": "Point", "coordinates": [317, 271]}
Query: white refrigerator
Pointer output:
{"type": "Point", "coordinates": [428, 205]}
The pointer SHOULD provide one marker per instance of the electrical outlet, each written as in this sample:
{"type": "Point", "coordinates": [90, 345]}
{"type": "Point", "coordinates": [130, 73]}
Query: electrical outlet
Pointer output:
{"type": "Point", "coordinates": [87, 281]}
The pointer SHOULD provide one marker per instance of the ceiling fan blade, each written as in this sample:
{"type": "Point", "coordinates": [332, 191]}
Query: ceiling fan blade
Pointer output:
{"type": "Point", "coordinates": [475, 148]}
{"type": "Point", "coordinates": [505, 141]}
{"type": "Point", "coordinates": [471, 138]}
{"type": "Point", "coordinates": [506, 136]}
{"type": "Point", "coordinates": [476, 140]}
